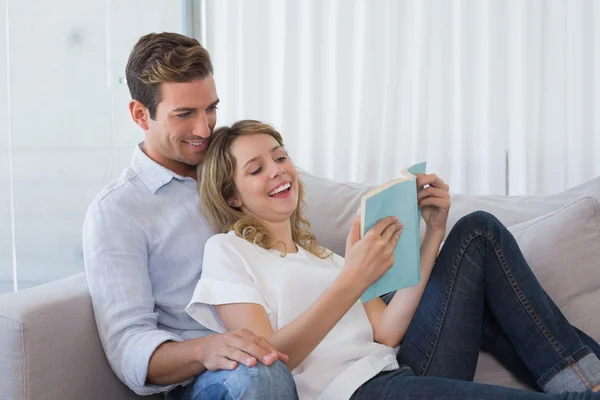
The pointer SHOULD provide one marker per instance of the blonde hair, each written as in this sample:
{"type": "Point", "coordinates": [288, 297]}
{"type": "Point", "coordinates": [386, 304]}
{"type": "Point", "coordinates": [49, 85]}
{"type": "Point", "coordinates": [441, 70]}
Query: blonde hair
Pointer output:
{"type": "Point", "coordinates": [217, 187]}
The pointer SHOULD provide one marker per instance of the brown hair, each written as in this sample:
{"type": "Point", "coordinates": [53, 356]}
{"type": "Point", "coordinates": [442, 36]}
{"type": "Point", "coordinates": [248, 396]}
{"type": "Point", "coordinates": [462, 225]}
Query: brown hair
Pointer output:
{"type": "Point", "coordinates": [164, 57]}
{"type": "Point", "coordinates": [217, 187]}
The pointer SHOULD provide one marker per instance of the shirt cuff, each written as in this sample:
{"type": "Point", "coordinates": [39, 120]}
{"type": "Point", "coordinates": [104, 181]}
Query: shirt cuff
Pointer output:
{"type": "Point", "coordinates": [137, 358]}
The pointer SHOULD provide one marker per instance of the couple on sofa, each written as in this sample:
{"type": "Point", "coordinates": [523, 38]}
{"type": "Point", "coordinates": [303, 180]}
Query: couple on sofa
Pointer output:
{"type": "Point", "coordinates": [169, 244]}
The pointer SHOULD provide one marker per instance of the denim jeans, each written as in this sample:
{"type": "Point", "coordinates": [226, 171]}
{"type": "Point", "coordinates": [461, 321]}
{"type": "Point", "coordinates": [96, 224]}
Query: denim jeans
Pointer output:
{"type": "Point", "coordinates": [483, 295]}
{"type": "Point", "coordinates": [259, 382]}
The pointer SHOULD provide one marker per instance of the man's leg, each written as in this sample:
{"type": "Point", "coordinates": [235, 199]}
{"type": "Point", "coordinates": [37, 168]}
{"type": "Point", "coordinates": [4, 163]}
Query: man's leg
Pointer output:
{"type": "Point", "coordinates": [254, 383]}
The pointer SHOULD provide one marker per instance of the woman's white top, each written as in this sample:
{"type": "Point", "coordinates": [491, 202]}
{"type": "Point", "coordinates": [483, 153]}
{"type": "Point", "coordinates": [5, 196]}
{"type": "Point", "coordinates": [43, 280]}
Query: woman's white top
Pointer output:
{"type": "Point", "coordinates": [236, 271]}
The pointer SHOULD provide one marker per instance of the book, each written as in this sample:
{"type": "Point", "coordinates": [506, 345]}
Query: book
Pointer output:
{"type": "Point", "coordinates": [396, 198]}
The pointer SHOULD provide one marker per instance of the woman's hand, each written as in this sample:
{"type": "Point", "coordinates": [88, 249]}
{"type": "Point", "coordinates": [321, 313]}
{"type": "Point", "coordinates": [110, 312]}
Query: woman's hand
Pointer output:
{"type": "Point", "coordinates": [434, 201]}
{"type": "Point", "coordinates": [367, 259]}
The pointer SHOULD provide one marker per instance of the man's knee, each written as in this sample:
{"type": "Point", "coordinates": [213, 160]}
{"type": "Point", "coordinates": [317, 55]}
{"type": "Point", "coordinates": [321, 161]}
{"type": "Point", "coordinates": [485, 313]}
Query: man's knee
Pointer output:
{"type": "Point", "coordinates": [258, 382]}
{"type": "Point", "coordinates": [263, 382]}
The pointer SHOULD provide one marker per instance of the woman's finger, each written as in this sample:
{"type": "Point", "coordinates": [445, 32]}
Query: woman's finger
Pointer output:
{"type": "Point", "coordinates": [442, 204]}
{"type": "Point", "coordinates": [389, 232]}
{"type": "Point", "coordinates": [432, 180]}
{"type": "Point", "coordinates": [432, 192]}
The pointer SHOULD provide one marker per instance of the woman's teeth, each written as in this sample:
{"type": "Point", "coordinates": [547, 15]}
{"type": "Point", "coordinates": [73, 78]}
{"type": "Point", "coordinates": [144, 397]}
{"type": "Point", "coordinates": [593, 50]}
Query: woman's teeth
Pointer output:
{"type": "Point", "coordinates": [280, 189]}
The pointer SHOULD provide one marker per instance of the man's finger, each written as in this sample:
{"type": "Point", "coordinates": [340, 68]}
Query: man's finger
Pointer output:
{"type": "Point", "coordinates": [221, 362]}
{"type": "Point", "coordinates": [258, 347]}
{"type": "Point", "coordinates": [238, 355]}
{"type": "Point", "coordinates": [272, 350]}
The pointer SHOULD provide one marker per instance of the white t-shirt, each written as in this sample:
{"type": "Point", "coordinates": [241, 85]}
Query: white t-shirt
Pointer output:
{"type": "Point", "coordinates": [236, 271]}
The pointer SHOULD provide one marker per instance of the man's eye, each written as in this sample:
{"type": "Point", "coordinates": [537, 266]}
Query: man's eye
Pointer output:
{"type": "Point", "coordinates": [213, 108]}
{"type": "Point", "coordinates": [256, 171]}
{"type": "Point", "coordinates": [184, 115]}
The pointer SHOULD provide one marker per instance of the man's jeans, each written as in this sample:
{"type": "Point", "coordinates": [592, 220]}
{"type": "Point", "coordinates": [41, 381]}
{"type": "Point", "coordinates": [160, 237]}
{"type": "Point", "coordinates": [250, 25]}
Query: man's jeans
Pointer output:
{"type": "Point", "coordinates": [482, 294]}
{"type": "Point", "coordinates": [256, 383]}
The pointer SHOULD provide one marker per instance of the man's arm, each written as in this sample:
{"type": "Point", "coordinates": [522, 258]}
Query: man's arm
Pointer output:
{"type": "Point", "coordinates": [116, 255]}
{"type": "Point", "coordinates": [174, 362]}
{"type": "Point", "coordinates": [144, 357]}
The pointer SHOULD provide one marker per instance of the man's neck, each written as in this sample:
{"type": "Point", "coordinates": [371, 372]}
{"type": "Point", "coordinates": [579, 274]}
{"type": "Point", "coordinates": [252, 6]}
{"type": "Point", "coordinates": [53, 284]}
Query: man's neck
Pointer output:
{"type": "Point", "coordinates": [174, 166]}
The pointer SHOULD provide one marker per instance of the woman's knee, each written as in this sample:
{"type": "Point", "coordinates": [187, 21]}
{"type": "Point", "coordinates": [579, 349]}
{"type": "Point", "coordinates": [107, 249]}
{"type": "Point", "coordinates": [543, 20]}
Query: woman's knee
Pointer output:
{"type": "Point", "coordinates": [481, 220]}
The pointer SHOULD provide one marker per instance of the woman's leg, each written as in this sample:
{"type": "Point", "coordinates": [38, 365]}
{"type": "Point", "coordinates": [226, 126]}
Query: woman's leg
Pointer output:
{"type": "Point", "coordinates": [482, 291]}
{"type": "Point", "coordinates": [404, 385]}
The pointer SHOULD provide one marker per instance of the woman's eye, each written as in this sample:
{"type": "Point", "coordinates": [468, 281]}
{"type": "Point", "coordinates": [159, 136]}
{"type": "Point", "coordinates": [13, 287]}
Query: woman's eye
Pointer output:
{"type": "Point", "coordinates": [256, 171]}
{"type": "Point", "coordinates": [281, 159]}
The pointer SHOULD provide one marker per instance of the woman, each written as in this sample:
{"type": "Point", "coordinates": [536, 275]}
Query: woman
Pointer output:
{"type": "Point", "coordinates": [265, 272]}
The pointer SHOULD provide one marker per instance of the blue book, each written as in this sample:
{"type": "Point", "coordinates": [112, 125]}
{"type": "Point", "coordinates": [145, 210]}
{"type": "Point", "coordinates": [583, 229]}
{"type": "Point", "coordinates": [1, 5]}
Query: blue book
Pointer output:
{"type": "Point", "coordinates": [396, 198]}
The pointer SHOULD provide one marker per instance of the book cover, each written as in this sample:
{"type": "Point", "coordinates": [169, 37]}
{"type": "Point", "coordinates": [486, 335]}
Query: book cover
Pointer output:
{"type": "Point", "coordinates": [396, 198]}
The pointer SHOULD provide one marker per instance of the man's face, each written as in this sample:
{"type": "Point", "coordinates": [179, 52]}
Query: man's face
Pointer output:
{"type": "Point", "coordinates": [178, 136]}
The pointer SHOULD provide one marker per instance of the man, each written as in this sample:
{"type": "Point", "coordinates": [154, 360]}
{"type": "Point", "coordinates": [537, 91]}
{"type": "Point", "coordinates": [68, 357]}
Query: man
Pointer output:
{"type": "Point", "coordinates": [143, 243]}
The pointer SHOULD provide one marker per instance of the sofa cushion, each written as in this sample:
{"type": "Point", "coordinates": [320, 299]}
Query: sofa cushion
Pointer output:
{"type": "Point", "coordinates": [563, 250]}
{"type": "Point", "coordinates": [331, 206]}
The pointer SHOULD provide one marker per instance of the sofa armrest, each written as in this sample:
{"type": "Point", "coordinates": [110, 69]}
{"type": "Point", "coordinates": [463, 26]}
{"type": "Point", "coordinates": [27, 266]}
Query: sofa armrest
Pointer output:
{"type": "Point", "coordinates": [49, 346]}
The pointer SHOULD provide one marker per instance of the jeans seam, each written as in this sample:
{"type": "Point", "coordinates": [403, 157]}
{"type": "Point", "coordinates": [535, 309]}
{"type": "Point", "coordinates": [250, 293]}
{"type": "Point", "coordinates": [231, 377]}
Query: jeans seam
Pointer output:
{"type": "Point", "coordinates": [521, 296]}
{"type": "Point", "coordinates": [577, 371]}
{"type": "Point", "coordinates": [439, 321]}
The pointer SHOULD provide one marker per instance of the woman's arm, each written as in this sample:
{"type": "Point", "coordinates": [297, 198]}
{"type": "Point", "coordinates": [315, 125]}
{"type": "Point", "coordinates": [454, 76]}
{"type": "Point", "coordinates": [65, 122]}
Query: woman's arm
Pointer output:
{"type": "Point", "coordinates": [390, 322]}
{"type": "Point", "coordinates": [369, 258]}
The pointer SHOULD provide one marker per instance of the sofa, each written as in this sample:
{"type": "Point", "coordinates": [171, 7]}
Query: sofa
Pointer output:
{"type": "Point", "coordinates": [49, 346]}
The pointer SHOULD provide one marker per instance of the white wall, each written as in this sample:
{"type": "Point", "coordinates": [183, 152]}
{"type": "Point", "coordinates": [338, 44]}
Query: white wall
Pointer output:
{"type": "Point", "coordinates": [5, 227]}
{"type": "Point", "coordinates": [71, 130]}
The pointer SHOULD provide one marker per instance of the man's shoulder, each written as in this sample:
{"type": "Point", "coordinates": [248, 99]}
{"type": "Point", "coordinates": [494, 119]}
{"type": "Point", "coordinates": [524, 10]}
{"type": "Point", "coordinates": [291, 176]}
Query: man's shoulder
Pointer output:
{"type": "Point", "coordinates": [124, 190]}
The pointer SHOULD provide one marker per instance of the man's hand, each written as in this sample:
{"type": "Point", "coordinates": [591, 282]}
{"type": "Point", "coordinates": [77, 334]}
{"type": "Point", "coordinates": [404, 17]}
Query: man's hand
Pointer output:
{"type": "Point", "coordinates": [227, 350]}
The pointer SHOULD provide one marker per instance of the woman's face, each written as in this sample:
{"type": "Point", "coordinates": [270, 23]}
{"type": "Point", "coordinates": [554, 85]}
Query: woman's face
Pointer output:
{"type": "Point", "coordinates": [264, 177]}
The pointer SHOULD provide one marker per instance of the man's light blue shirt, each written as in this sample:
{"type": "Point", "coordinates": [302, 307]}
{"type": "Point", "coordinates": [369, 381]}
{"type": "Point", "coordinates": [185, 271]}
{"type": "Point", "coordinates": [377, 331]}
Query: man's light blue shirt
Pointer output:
{"type": "Point", "coordinates": [143, 243]}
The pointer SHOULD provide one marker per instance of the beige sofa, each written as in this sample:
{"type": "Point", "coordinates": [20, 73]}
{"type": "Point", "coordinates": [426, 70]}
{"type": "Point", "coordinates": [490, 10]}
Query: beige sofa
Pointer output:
{"type": "Point", "coordinates": [49, 347]}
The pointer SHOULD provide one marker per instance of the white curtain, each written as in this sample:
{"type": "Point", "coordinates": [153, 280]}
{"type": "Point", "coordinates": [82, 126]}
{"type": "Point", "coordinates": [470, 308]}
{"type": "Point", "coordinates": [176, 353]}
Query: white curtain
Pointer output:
{"type": "Point", "coordinates": [361, 89]}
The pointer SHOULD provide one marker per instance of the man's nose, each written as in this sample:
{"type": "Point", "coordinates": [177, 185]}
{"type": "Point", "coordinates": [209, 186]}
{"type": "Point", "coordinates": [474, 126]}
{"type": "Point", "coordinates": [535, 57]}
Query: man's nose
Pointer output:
{"type": "Point", "coordinates": [202, 127]}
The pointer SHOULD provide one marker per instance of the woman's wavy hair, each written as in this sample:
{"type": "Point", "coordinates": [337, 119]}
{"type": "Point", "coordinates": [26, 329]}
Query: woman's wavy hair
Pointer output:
{"type": "Point", "coordinates": [215, 175]}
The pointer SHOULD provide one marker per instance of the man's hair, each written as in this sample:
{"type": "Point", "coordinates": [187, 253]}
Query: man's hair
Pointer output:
{"type": "Point", "coordinates": [164, 57]}
{"type": "Point", "coordinates": [217, 187]}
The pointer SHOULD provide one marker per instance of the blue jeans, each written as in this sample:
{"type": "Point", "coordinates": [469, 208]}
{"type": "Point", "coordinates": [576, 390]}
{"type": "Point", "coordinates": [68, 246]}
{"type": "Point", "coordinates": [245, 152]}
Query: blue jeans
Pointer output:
{"type": "Point", "coordinates": [258, 382]}
{"type": "Point", "coordinates": [483, 295]}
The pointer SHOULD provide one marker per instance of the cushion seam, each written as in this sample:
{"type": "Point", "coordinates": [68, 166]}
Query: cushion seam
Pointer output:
{"type": "Point", "coordinates": [23, 358]}
{"type": "Point", "coordinates": [553, 213]}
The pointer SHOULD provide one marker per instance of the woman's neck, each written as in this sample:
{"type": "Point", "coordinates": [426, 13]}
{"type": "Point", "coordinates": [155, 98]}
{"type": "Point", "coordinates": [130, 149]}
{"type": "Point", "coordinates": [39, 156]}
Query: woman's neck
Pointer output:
{"type": "Point", "coordinates": [282, 233]}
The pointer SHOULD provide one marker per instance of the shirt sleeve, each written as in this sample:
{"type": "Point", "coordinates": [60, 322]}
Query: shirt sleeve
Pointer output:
{"type": "Point", "coordinates": [115, 253]}
{"type": "Point", "coordinates": [226, 279]}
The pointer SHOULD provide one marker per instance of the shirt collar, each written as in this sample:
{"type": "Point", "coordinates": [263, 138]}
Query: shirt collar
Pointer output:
{"type": "Point", "coordinates": [152, 174]}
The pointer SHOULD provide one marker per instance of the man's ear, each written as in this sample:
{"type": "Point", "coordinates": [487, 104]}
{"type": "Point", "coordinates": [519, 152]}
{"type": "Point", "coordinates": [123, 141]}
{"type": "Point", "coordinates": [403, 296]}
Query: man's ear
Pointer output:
{"type": "Point", "coordinates": [139, 114]}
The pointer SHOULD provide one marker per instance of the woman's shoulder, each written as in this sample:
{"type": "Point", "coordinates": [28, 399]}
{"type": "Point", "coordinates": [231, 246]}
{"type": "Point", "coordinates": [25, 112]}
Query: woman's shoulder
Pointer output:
{"type": "Point", "coordinates": [226, 240]}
